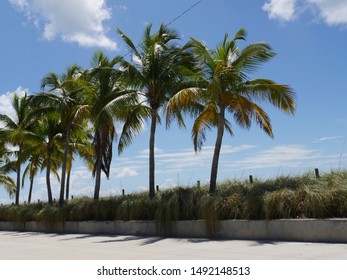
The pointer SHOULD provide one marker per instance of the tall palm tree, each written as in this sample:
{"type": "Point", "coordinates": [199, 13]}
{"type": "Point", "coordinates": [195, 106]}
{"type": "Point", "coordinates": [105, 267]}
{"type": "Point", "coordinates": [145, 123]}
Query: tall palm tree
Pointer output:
{"type": "Point", "coordinates": [48, 145]}
{"type": "Point", "coordinates": [31, 170]}
{"type": "Point", "coordinates": [64, 95]}
{"type": "Point", "coordinates": [157, 69]}
{"type": "Point", "coordinates": [108, 101]}
{"type": "Point", "coordinates": [17, 132]}
{"type": "Point", "coordinates": [225, 87]}
{"type": "Point", "coordinates": [81, 145]}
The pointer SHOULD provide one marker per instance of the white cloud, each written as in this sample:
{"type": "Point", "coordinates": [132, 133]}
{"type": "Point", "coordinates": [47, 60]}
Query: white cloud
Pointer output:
{"type": "Point", "coordinates": [136, 59]}
{"type": "Point", "coordinates": [79, 21]}
{"type": "Point", "coordinates": [124, 172]}
{"type": "Point", "coordinates": [332, 12]}
{"type": "Point", "coordinates": [281, 9]}
{"type": "Point", "coordinates": [6, 101]}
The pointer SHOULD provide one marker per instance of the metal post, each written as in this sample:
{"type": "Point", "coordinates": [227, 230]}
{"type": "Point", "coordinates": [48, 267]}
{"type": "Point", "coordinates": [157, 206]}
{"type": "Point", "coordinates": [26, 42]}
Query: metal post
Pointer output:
{"type": "Point", "coordinates": [157, 188]}
{"type": "Point", "coordinates": [198, 184]}
{"type": "Point", "coordinates": [316, 171]}
{"type": "Point", "coordinates": [123, 192]}
{"type": "Point", "coordinates": [251, 179]}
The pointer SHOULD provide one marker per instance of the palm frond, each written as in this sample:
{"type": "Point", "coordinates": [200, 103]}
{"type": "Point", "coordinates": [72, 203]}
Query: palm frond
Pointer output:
{"type": "Point", "coordinates": [281, 96]}
{"type": "Point", "coordinates": [253, 56]}
{"type": "Point", "coordinates": [185, 101]}
{"type": "Point", "coordinates": [133, 125]}
{"type": "Point", "coordinates": [205, 121]}
{"type": "Point", "coordinates": [128, 42]}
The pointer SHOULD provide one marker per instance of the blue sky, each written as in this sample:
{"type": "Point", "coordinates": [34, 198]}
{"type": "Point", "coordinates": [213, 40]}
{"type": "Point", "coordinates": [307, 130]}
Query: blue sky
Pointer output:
{"type": "Point", "coordinates": [309, 37]}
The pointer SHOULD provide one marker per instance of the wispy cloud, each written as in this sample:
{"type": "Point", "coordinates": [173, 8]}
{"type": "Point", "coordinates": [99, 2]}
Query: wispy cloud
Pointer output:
{"type": "Point", "coordinates": [284, 155]}
{"type": "Point", "coordinates": [175, 161]}
{"type": "Point", "coordinates": [327, 138]}
{"type": "Point", "coordinates": [79, 21]}
{"type": "Point", "coordinates": [145, 153]}
{"type": "Point", "coordinates": [331, 12]}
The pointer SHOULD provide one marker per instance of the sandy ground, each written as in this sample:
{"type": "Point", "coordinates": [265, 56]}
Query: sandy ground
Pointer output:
{"type": "Point", "coordinates": [40, 246]}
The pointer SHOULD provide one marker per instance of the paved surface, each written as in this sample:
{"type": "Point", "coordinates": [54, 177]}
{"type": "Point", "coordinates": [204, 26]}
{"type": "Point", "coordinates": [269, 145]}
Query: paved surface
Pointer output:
{"type": "Point", "coordinates": [39, 246]}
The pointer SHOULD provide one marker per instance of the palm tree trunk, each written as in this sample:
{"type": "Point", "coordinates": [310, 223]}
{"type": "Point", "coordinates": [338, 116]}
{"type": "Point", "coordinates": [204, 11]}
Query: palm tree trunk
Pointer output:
{"type": "Point", "coordinates": [18, 184]}
{"type": "Point", "coordinates": [151, 153]}
{"type": "Point", "coordinates": [98, 167]}
{"type": "Point", "coordinates": [31, 188]}
{"type": "Point", "coordinates": [18, 177]}
{"type": "Point", "coordinates": [63, 168]}
{"type": "Point", "coordinates": [217, 148]}
{"type": "Point", "coordinates": [97, 181]}
{"type": "Point", "coordinates": [68, 184]}
{"type": "Point", "coordinates": [48, 180]}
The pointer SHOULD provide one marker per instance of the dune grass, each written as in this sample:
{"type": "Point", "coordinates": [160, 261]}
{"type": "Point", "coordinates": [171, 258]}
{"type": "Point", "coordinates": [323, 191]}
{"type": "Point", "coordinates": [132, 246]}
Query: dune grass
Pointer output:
{"type": "Point", "coordinates": [293, 197]}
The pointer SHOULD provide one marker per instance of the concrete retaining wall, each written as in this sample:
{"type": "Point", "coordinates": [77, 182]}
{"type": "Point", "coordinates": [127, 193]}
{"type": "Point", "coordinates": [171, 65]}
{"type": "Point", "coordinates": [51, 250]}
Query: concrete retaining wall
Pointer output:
{"type": "Point", "coordinates": [309, 230]}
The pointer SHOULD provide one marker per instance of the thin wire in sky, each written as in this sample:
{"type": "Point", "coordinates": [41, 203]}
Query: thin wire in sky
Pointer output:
{"type": "Point", "coordinates": [175, 19]}
{"type": "Point", "coordinates": [183, 13]}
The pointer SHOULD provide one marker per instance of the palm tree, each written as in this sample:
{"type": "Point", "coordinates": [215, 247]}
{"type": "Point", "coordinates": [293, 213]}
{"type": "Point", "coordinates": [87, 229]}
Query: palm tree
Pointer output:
{"type": "Point", "coordinates": [81, 145]}
{"type": "Point", "coordinates": [226, 88]}
{"type": "Point", "coordinates": [48, 145]}
{"type": "Point", "coordinates": [31, 170]}
{"type": "Point", "coordinates": [157, 69]}
{"type": "Point", "coordinates": [64, 95]}
{"type": "Point", "coordinates": [5, 181]}
{"type": "Point", "coordinates": [17, 132]}
{"type": "Point", "coordinates": [108, 101]}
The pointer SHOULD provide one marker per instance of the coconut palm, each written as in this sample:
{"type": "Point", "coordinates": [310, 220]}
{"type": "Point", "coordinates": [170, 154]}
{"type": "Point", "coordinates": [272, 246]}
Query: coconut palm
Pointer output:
{"type": "Point", "coordinates": [156, 71]}
{"type": "Point", "coordinates": [64, 95]}
{"type": "Point", "coordinates": [5, 180]}
{"type": "Point", "coordinates": [17, 132]}
{"type": "Point", "coordinates": [31, 170]}
{"type": "Point", "coordinates": [109, 101]}
{"type": "Point", "coordinates": [81, 145]}
{"type": "Point", "coordinates": [226, 88]}
{"type": "Point", "coordinates": [46, 149]}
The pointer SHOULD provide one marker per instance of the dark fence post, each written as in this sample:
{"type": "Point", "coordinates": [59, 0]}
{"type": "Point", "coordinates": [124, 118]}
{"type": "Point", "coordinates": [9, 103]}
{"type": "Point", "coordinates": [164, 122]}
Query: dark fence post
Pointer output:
{"type": "Point", "coordinates": [123, 192]}
{"type": "Point", "coordinates": [157, 188]}
{"type": "Point", "coordinates": [198, 184]}
{"type": "Point", "coordinates": [251, 179]}
{"type": "Point", "coordinates": [316, 171]}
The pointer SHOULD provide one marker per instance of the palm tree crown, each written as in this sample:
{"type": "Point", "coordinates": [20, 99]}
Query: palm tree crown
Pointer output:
{"type": "Point", "coordinates": [225, 87]}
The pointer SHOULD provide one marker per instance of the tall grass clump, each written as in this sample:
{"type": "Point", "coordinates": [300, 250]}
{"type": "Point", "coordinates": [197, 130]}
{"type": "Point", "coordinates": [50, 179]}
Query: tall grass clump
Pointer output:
{"type": "Point", "coordinates": [136, 207]}
{"type": "Point", "coordinates": [281, 204]}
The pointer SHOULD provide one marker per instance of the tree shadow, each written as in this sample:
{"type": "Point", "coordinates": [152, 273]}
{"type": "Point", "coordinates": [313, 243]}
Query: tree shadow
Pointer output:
{"type": "Point", "coordinates": [124, 239]}
{"type": "Point", "coordinates": [264, 242]}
